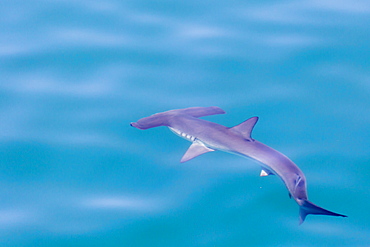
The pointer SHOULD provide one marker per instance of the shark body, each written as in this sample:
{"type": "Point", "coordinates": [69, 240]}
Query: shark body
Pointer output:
{"type": "Point", "coordinates": [208, 136]}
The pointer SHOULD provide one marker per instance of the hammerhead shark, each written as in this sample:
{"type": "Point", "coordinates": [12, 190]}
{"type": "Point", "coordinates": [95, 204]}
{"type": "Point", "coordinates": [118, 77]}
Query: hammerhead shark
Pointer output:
{"type": "Point", "coordinates": [208, 136]}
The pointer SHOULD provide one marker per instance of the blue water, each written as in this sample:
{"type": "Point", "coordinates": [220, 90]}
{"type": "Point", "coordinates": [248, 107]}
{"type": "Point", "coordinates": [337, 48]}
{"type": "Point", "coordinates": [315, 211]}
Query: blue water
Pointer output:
{"type": "Point", "coordinates": [74, 74]}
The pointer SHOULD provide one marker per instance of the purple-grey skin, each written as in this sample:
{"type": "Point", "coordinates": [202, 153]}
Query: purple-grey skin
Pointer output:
{"type": "Point", "coordinates": [208, 136]}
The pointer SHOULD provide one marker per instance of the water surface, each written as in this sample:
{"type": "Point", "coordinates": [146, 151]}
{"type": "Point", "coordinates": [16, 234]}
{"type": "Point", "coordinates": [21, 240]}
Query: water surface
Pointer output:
{"type": "Point", "coordinates": [74, 74]}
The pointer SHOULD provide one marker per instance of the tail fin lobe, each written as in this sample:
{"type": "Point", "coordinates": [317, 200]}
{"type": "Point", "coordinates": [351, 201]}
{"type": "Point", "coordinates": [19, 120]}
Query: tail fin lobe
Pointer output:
{"type": "Point", "coordinates": [309, 208]}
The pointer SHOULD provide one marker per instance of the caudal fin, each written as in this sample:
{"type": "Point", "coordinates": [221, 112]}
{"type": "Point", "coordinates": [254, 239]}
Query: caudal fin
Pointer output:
{"type": "Point", "coordinates": [161, 119]}
{"type": "Point", "coordinates": [309, 208]}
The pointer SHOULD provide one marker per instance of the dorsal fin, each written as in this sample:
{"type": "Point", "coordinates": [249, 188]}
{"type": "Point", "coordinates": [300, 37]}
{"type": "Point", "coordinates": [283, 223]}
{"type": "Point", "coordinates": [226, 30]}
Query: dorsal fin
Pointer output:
{"type": "Point", "coordinates": [246, 127]}
{"type": "Point", "coordinates": [195, 149]}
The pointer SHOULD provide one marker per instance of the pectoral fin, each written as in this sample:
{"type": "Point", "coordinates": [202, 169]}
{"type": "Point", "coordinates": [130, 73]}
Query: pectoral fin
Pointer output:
{"type": "Point", "coordinates": [195, 149]}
